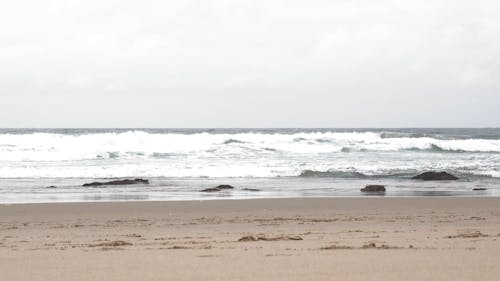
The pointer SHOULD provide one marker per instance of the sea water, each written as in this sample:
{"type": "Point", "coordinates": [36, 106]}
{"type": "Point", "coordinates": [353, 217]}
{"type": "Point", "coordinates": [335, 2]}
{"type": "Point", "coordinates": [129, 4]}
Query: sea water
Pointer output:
{"type": "Point", "coordinates": [50, 165]}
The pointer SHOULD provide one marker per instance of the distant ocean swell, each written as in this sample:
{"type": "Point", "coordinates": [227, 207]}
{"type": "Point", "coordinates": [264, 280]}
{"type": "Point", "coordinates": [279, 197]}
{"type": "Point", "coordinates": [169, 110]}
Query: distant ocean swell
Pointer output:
{"type": "Point", "coordinates": [243, 154]}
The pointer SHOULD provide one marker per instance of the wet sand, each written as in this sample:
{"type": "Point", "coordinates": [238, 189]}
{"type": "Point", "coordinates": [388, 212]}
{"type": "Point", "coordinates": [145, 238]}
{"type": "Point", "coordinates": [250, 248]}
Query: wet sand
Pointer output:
{"type": "Point", "coordinates": [272, 239]}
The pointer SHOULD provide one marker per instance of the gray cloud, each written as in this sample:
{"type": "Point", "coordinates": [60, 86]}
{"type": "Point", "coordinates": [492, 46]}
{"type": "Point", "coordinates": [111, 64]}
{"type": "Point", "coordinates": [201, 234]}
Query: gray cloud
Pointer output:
{"type": "Point", "coordinates": [249, 63]}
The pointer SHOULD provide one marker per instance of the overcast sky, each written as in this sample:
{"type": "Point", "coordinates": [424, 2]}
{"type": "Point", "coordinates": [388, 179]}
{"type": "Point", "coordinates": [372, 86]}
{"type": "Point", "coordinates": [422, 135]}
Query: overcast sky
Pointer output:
{"type": "Point", "coordinates": [227, 63]}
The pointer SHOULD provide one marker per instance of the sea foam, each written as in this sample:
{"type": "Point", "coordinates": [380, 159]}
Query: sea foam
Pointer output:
{"type": "Point", "coordinates": [241, 154]}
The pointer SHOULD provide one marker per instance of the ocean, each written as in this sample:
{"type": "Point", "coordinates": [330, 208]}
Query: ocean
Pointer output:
{"type": "Point", "coordinates": [50, 165]}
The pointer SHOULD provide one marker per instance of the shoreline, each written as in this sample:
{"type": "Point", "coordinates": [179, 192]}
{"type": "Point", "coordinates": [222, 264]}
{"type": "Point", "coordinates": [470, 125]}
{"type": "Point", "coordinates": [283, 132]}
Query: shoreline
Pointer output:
{"type": "Point", "coordinates": [347, 197]}
{"type": "Point", "coordinates": [167, 189]}
{"type": "Point", "coordinates": [217, 201]}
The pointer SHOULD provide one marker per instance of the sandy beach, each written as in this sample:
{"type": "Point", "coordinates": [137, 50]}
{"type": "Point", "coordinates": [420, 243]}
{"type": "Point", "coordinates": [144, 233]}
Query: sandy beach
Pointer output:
{"type": "Point", "coordinates": [272, 239]}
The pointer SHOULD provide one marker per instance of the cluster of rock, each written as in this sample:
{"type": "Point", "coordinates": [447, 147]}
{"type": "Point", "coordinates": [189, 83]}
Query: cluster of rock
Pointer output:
{"type": "Point", "coordinates": [144, 181]}
{"type": "Point", "coordinates": [373, 188]}
{"type": "Point", "coordinates": [426, 176]}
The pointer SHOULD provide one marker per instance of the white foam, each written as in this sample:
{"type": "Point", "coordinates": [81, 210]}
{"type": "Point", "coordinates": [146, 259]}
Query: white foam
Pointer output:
{"type": "Point", "coordinates": [137, 153]}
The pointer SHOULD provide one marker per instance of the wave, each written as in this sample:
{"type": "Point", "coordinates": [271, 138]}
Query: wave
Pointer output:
{"type": "Point", "coordinates": [436, 148]}
{"type": "Point", "coordinates": [229, 141]}
{"type": "Point", "coordinates": [177, 168]}
{"type": "Point", "coordinates": [377, 173]}
{"type": "Point", "coordinates": [47, 146]}
{"type": "Point", "coordinates": [243, 154]}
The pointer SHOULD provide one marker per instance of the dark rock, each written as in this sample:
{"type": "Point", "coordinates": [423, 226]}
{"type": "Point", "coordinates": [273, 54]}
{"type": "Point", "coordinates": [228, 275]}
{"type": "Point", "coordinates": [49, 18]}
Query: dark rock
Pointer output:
{"type": "Point", "coordinates": [118, 182]}
{"type": "Point", "coordinates": [52, 186]}
{"type": "Point", "coordinates": [224, 186]}
{"type": "Point", "coordinates": [373, 188]}
{"type": "Point", "coordinates": [435, 176]}
{"type": "Point", "coordinates": [212, 189]}
{"type": "Point", "coordinates": [479, 189]}
{"type": "Point", "coordinates": [251, 189]}
{"type": "Point", "coordinates": [218, 188]}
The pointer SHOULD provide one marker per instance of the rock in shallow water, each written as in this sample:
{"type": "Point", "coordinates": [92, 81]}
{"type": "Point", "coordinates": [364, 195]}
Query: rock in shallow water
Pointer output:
{"type": "Point", "coordinates": [117, 182]}
{"type": "Point", "coordinates": [373, 188]}
{"type": "Point", "coordinates": [434, 176]}
{"type": "Point", "coordinates": [251, 189]}
{"type": "Point", "coordinates": [212, 189]}
{"type": "Point", "coordinates": [224, 186]}
{"type": "Point", "coordinates": [218, 188]}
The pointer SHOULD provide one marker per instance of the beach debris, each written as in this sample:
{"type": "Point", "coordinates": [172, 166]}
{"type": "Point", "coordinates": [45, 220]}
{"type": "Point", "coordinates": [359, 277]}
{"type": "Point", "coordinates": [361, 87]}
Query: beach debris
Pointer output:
{"type": "Point", "coordinates": [134, 235]}
{"type": "Point", "coordinates": [434, 176]}
{"type": "Point", "coordinates": [479, 189]}
{"type": "Point", "coordinates": [52, 186]}
{"type": "Point", "coordinates": [177, 247]}
{"type": "Point", "coordinates": [117, 243]}
{"type": "Point", "coordinates": [251, 189]}
{"type": "Point", "coordinates": [118, 182]}
{"type": "Point", "coordinates": [367, 246]}
{"type": "Point", "coordinates": [469, 234]}
{"type": "Point", "coordinates": [218, 188]}
{"type": "Point", "coordinates": [250, 238]}
{"type": "Point", "coordinates": [373, 188]}
{"type": "Point", "coordinates": [372, 245]}
{"type": "Point", "coordinates": [477, 218]}
{"type": "Point", "coordinates": [182, 247]}
{"type": "Point", "coordinates": [337, 247]}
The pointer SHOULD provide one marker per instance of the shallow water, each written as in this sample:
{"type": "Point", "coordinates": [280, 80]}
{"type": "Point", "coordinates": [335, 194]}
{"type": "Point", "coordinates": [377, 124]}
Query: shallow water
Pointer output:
{"type": "Point", "coordinates": [161, 189]}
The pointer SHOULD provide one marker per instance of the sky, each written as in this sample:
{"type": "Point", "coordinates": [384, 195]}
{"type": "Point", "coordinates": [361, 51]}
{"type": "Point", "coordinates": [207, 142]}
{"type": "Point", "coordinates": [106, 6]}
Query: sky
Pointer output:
{"type": "Point", "coordinates": [226, 63]}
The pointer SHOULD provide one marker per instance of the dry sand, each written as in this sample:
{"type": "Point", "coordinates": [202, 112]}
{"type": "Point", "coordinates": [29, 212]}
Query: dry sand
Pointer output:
{"type": "Point", "coordinates": [275, 239]}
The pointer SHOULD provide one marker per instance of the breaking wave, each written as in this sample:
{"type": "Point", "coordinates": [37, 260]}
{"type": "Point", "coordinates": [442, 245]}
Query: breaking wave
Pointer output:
{"type": "Point", "coordinates": [241, 154]}
{"type": "Point", "coordinates": [45, 146]}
